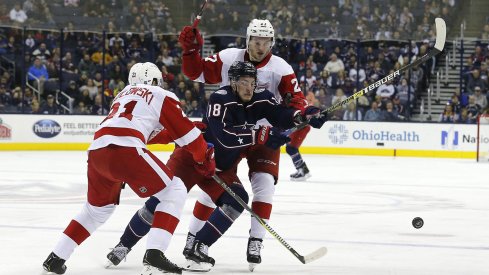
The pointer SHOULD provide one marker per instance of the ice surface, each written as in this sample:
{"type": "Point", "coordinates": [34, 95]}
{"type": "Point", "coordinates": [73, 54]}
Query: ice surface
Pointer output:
{"type": "Point", "coordinates": [360, 208]}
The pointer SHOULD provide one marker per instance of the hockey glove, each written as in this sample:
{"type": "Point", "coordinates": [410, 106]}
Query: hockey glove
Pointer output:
{"type": "Point", "coordinates": [298, 103]}
{"type": "Point", "coordinates": [190, 40]}
{"type": "Point", "coordinates": [270, 137]}
{"type": "Point", "coordinates": [207, 168]}
{"type": "Point", "coordinates": [315, 117]}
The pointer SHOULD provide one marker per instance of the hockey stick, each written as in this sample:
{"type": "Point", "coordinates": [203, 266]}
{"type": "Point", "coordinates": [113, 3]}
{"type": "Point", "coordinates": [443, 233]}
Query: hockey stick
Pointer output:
{"type": "Point", "coordinates": [304, 259]}
{"type": "Point", "coordinates": [441, 32]}
{"type": "Point", "coordinates": [199, 15]}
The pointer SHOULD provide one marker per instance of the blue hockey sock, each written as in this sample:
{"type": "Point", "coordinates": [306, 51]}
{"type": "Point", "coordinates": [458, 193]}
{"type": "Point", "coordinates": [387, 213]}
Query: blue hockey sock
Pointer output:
{"type": "Point", "coordinates": [295, 155]}
{"type": "Point", "coordinates": [214, 228]}
{"type": "Point", "coordinates": [140, 223]}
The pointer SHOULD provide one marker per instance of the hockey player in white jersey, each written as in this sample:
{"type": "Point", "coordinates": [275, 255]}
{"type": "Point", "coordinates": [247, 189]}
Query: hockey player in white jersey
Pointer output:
{"type": "Point", "coordinates": [275, 75]}
{"type": "Point", "coordinates": [118, 155]}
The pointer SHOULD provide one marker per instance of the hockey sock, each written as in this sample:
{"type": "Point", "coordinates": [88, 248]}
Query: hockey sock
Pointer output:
{"type": "Point", "coordinates": [140, 223]}
{"type": "Point", "coordinates": [295, 155]}
{"type": "Point", "coordinates": [223, 216]}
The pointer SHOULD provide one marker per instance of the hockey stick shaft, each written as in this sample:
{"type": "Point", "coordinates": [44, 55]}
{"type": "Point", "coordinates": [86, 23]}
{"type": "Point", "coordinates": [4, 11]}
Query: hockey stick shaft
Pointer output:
{"type": "Point", "coordinates": [439, 44]}
{"type": "Point", "coordinates": [313, 256]}
{"type": "Point", "coordinates": [199, 15]}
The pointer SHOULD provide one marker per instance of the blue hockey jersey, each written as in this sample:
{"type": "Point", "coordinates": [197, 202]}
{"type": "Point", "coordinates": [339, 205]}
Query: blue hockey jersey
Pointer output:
{"type": "Point", "coordinates": [230, 121]}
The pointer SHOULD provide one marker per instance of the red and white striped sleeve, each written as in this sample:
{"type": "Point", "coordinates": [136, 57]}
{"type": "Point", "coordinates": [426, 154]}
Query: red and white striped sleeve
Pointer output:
{"type": "Point", "coordinates": [206, 70]}
{"type": "Point", "coordinates": [181, 129]}
{"type": "Point", "coordinates": [289, 88]}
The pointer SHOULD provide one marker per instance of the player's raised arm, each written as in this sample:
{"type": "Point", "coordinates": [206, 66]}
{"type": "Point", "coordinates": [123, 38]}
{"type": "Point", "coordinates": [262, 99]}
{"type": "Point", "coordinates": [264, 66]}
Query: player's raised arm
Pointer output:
{"type": "Point", "coordinates": [206, 70]}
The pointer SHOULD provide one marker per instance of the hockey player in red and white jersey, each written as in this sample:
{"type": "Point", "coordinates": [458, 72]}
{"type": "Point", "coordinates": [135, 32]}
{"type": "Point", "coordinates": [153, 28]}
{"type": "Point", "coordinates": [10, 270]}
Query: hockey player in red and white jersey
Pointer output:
{"type": "Point", "coordinates": [275, 75]}
{"type": "Point", "coordinates": [118, 155]}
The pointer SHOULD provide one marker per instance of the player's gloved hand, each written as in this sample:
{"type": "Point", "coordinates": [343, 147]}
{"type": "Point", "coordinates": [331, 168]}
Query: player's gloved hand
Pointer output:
{"type": "Point", "coordinates": [190, 40]}
{"type": "Point", "coordinates": [200, 125]}
{"type": "Point", "coordinates": [298, 103]}
{"type": "Point", "coordinates": [270, 137]}
{"type": "Point", "coordinates": [314, 116]}
{"type": "Point", "coordinates": [207, 168]}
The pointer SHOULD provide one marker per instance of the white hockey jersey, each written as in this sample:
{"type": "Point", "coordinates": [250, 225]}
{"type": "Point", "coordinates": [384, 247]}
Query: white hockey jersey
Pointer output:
{"type": "Point", "coordinates": [274, 73]}
{"type": "Point", "coordinates": [141, 111]}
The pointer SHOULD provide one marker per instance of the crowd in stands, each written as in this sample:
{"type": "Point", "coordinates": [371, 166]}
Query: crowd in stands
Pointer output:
{"type": "Point", "coordinates": [90, 68]}
{"type": "Point", "coordinates": [467, 104]}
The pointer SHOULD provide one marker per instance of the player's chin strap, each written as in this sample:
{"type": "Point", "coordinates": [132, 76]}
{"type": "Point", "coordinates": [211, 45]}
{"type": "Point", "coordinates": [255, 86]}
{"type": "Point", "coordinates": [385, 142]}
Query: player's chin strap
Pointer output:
{"type": "Point", "coordinates": [304, 259]}
{"type": "Point", "coordinates": [441, 32]}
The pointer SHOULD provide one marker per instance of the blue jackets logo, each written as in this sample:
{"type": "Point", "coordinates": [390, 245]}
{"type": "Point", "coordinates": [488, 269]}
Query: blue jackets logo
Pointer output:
{"type": "Point", "coordinates": [338, 134]}
{"type": "Point", "coordinates": [46, 128]}
{"type": "Point", "coordinates": [449, 139]}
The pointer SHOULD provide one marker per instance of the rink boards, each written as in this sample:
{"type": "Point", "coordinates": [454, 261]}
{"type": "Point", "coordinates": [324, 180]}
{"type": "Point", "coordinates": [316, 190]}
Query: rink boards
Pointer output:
{"type": "Point", "coordinates": [46, 132]}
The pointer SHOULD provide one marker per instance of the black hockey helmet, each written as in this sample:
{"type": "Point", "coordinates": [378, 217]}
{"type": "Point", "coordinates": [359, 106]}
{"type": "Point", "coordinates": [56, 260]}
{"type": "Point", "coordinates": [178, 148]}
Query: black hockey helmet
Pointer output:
{"type": "Point", "coordinates": [241, 68]}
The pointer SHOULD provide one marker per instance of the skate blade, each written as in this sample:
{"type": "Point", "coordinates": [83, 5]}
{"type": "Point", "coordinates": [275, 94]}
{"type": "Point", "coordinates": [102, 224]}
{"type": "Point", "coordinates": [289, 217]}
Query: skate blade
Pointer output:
{"type": "Point", "coordinates": [192, 266]}
{"type": "Point", "coordinates": [108, 264]}
{"type": "Point", "coordinates": [151, 270]}
{"type": "Point", "coordinates": [301, 178]}
{"type": "Point", "coordinates": [252, 266]}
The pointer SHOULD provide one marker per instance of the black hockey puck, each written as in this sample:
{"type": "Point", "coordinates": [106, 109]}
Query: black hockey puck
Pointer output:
{"type": "Point", "coordinates": [418, 222]}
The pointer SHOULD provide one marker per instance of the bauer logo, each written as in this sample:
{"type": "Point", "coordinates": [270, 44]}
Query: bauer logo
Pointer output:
{"type": "Point", "coordinates": [5, 130]}
{"type": "Point", "coordinates": [46, 128]}
{"type": "Point", "coordinates": [338, 134]}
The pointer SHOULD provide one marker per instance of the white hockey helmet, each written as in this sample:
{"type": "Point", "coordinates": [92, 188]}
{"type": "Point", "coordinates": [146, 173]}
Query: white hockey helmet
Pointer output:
{"type": "Point", "coordinates": [145, 73]}
{"type": "Point", "coordinates": [260, 28]}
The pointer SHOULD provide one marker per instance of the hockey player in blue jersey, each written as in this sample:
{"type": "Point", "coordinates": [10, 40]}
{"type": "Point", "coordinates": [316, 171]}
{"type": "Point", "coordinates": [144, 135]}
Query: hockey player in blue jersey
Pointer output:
{"type": "Point", "coordinates": [231, 116]}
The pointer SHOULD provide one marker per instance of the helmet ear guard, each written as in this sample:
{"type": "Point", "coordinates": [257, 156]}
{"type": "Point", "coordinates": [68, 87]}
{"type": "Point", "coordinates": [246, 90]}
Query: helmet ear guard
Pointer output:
{"type": "Point", "coordinates": [260, 28]}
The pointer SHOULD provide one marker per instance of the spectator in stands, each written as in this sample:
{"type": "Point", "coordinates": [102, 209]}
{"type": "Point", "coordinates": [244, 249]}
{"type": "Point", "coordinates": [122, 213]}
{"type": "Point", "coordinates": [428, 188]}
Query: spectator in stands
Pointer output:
{"type": "Point", "coordinates": [334, 65]}
{"type": "Point", "coordinates": [81, 109]}
{"type": "Point", "coordinates": [456, 106]}
{"type": "Point", "coordinates": [50, 107]}
{"type": "Point", "coordinates": [42, 53]}
{"type": "Point", "coordinates": [71, 3]}
{"type": "Point", "coordinates": [374, 113]}
{"type": "Point", "coordinates": [480, 99]}
{"type": "Point", "coordinates": [309, 78]}
{"type": "Point", "coordinates": [38, 72]}
{"type": "Point", "coordinates": [386, 91]}
{"type": "Point", "coordinates": [86, 65]}
{"type": "Point", "coordinates": [353, 73]}
{"type": "Point", "coordinates": [5, 98]}
{"type": "Point", "coordinates": [403, 92]}
{"type": "Point", "coordinates": [35, 107]}
{"type": "Point", "coordinates": [473, 108]}
{"type": "Point", "coordinates": [97, 107]}
{"type": "Point", "coordinates": [475, 81]}
{"type": "Point", "coordinates": [352, 113]}
{"type": "Point", "coordinates": [390, 114]}
{"type": "Point", "coordinates": [17, 15]}
{"type": "Point", "coordinates": [464, 117]}
{"type": "Point", "coordinates": [448, 116]}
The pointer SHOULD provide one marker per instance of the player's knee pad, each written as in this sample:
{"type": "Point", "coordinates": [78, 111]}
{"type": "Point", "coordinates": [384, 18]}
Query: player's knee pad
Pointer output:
{"type": "Point", "coordinates": [172, 198]}
{"type": "Point", "coordinates": [291, 150]}
{"type": "Point", "coordinates": [147, 212]}
{"type": "Point", "coordinates": [91, 217]}
{"type": "Point", "coordinates": [263, 187]}
{"type": "Point", "coordinates": [229, 205]}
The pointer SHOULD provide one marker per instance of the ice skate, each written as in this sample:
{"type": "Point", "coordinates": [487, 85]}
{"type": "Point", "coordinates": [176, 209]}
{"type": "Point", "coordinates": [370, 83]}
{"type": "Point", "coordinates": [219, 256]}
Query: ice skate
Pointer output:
{"type": "Point", "coordinates": [198, 259]}
{"type": "Point", "coordinates": [253, 252]}
{"type": "Point", "coordinates": [155, 262]}
{"type": "Point", "coordinates": [301, 174]}
{"type": "Point", "coordinates": [54, 264]}
{"type": "Point", "coordinates": [189, 243]}
{"type": "Point", "coordinates": [118, 253]}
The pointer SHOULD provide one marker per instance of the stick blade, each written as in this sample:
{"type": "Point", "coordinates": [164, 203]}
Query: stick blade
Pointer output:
{"type": "Point", "coordinates": [314, 255]}
{"type": "Point", "coordinates": [441, 33]}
